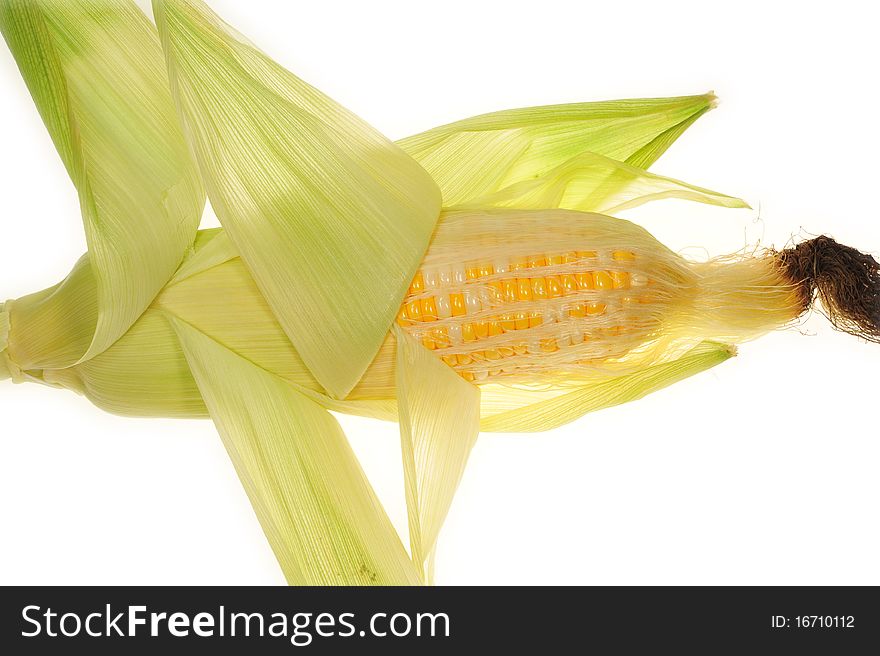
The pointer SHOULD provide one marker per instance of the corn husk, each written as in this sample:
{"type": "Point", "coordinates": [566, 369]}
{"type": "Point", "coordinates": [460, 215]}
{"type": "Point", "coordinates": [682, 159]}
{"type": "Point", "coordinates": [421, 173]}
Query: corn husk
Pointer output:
{"type": "Point", "coordinates": [97, 76]}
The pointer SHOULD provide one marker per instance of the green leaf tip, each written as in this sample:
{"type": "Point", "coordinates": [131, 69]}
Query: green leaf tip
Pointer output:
{"type": "Point", "coordinates": [484, 154]}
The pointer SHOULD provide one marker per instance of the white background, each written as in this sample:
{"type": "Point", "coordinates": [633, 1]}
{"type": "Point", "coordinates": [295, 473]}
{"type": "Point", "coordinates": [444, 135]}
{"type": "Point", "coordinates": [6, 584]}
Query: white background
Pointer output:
{"type": "Point", "coordinates": [761, 471]}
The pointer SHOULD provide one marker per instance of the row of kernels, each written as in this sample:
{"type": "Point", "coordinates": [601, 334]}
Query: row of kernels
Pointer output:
{"type": "Point", "coordinates": [442, 306]}
{"type": "Point", "coordinates": [432, 278]}
{"type": "Point", "coordinates": [426, 310]}
{"type": "Point", "coordinates": [590, 309]}
{"type": "Point", "coordinates": [511, 290]}
{"type": "Point", "coordinates": [495, 359]}
{"type": "Point", "coordinates": [444, 336]}
{"type": "Point", "coordinates": [457, 274]}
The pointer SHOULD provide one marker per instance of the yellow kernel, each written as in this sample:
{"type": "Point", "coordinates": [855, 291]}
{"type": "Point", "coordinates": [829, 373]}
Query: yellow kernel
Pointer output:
{"type": "Point", "coordinates": [585, 280]}
{"type": "Point", "coordinates": [506, 351]}
{"type": "Point", "coordinates": [428, 343]}
{"type": "Point", "coordinates": [486, 270]}
{"type": "Point", "coordinates": [570, 257]}
{"type": "Point", "coordinates": [464, 358]}
{"type": "Point", "coordinates": [603, 280]}
{"type": "Point", "coordinates": [467, 375]}
{"type": "Point", "coordinates": [521, 320]}
{"type": "Point", "coordinates": [569, 284]}
{"type": "Point", "coordinates": [507, 322]}
{"type": "Point", "coordinates": [457, 302]}
{"type": "Point", "coordinates": [623, 256]}
{"type": "Point", "coordinates": [472, 273]}
{"type": "Point", "coordinates": [539, 289]}
{"type": "Point", "coordinates": [413, 310]}
{"type": "Point", "coordinates": [555, 260]}
{"type": "Point", "coordinates": [535, 319]}
{"type": "Point", "coordinates": [492, 354]}
{"type": "Point", "coordinates": [481, 328]}
{"type": "Point", "coordinates": [595, 308]}
{"type": "Point", "coordinates": [519, 263]}
{"type": "Point", "coordinates": [521, 348]}
{"type": "Point", "coordinates": [495, 328]}
{"type": "Point", "coordinates": [467, 332]}
{"type": "Point", "coordinates": [418, 284]}
{"type": "Point", "coordinates": [509, 287]}
{"type": "Point", "coordinates": [578, 310]}
{"type": "Point", "coordinates": [537, 261]}
{"type": "Point", "coordinates": [524, 289]}
{"type": "Point", "coordinates": [620, 279]}
{"type": "Point", "coordinates": [554, 287]}
{"type": "Point", "coordinates": [582, 255]}
{"type": "Point", "coordinates": [450, 360]}
{"type": "Point", "coordinates": [429, 309]}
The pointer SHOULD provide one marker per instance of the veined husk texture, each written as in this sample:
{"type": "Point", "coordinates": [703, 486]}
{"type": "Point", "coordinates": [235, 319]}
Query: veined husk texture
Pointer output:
{"type": "Point", "coordinates": [671, 306]}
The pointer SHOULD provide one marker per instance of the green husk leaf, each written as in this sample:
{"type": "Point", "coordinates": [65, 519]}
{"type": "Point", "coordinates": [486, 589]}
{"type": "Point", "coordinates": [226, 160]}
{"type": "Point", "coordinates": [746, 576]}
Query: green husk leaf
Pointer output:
{"type": "Point", "coordinates": [645, 156]}
{"type": "Point", "coordinates": [439, 424]}
{"type": "Point", "coordinates": [483, 154]}
{"type": "Point", "coordinates": [60, 320]}
{"type": "Point", "coordinates": [315, 505]}
{"type": "Point", "coordinates": [144, 374]}
{"type": "Point", "coordinates": [5, 371]}
{"type": "Point", "coordinates": [592, 183]}
{"type": "Point", "coordinates": [553, 412]}
{"type": "Point", "coordinates": [96, 74]}
{"type": "Point", "coordinates": [330, 218]}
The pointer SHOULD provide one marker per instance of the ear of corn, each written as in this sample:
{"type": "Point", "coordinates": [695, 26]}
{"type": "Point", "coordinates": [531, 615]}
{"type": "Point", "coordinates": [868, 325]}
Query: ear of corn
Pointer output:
{"type": "Point", "coordinates": [97, 77]}
{"type": "Point", "coordinates": [525, 312]}
{"type": "Point", "coordinates": [313, 501]}
{"type": "Point", "coordinates": [649, 307]}
{"type": "Point", "coordinates": [327, 214]}
{"type": "Point", "coordinates": [439, 424]}
{"type": "Point", "coordinates": [484, 154]}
